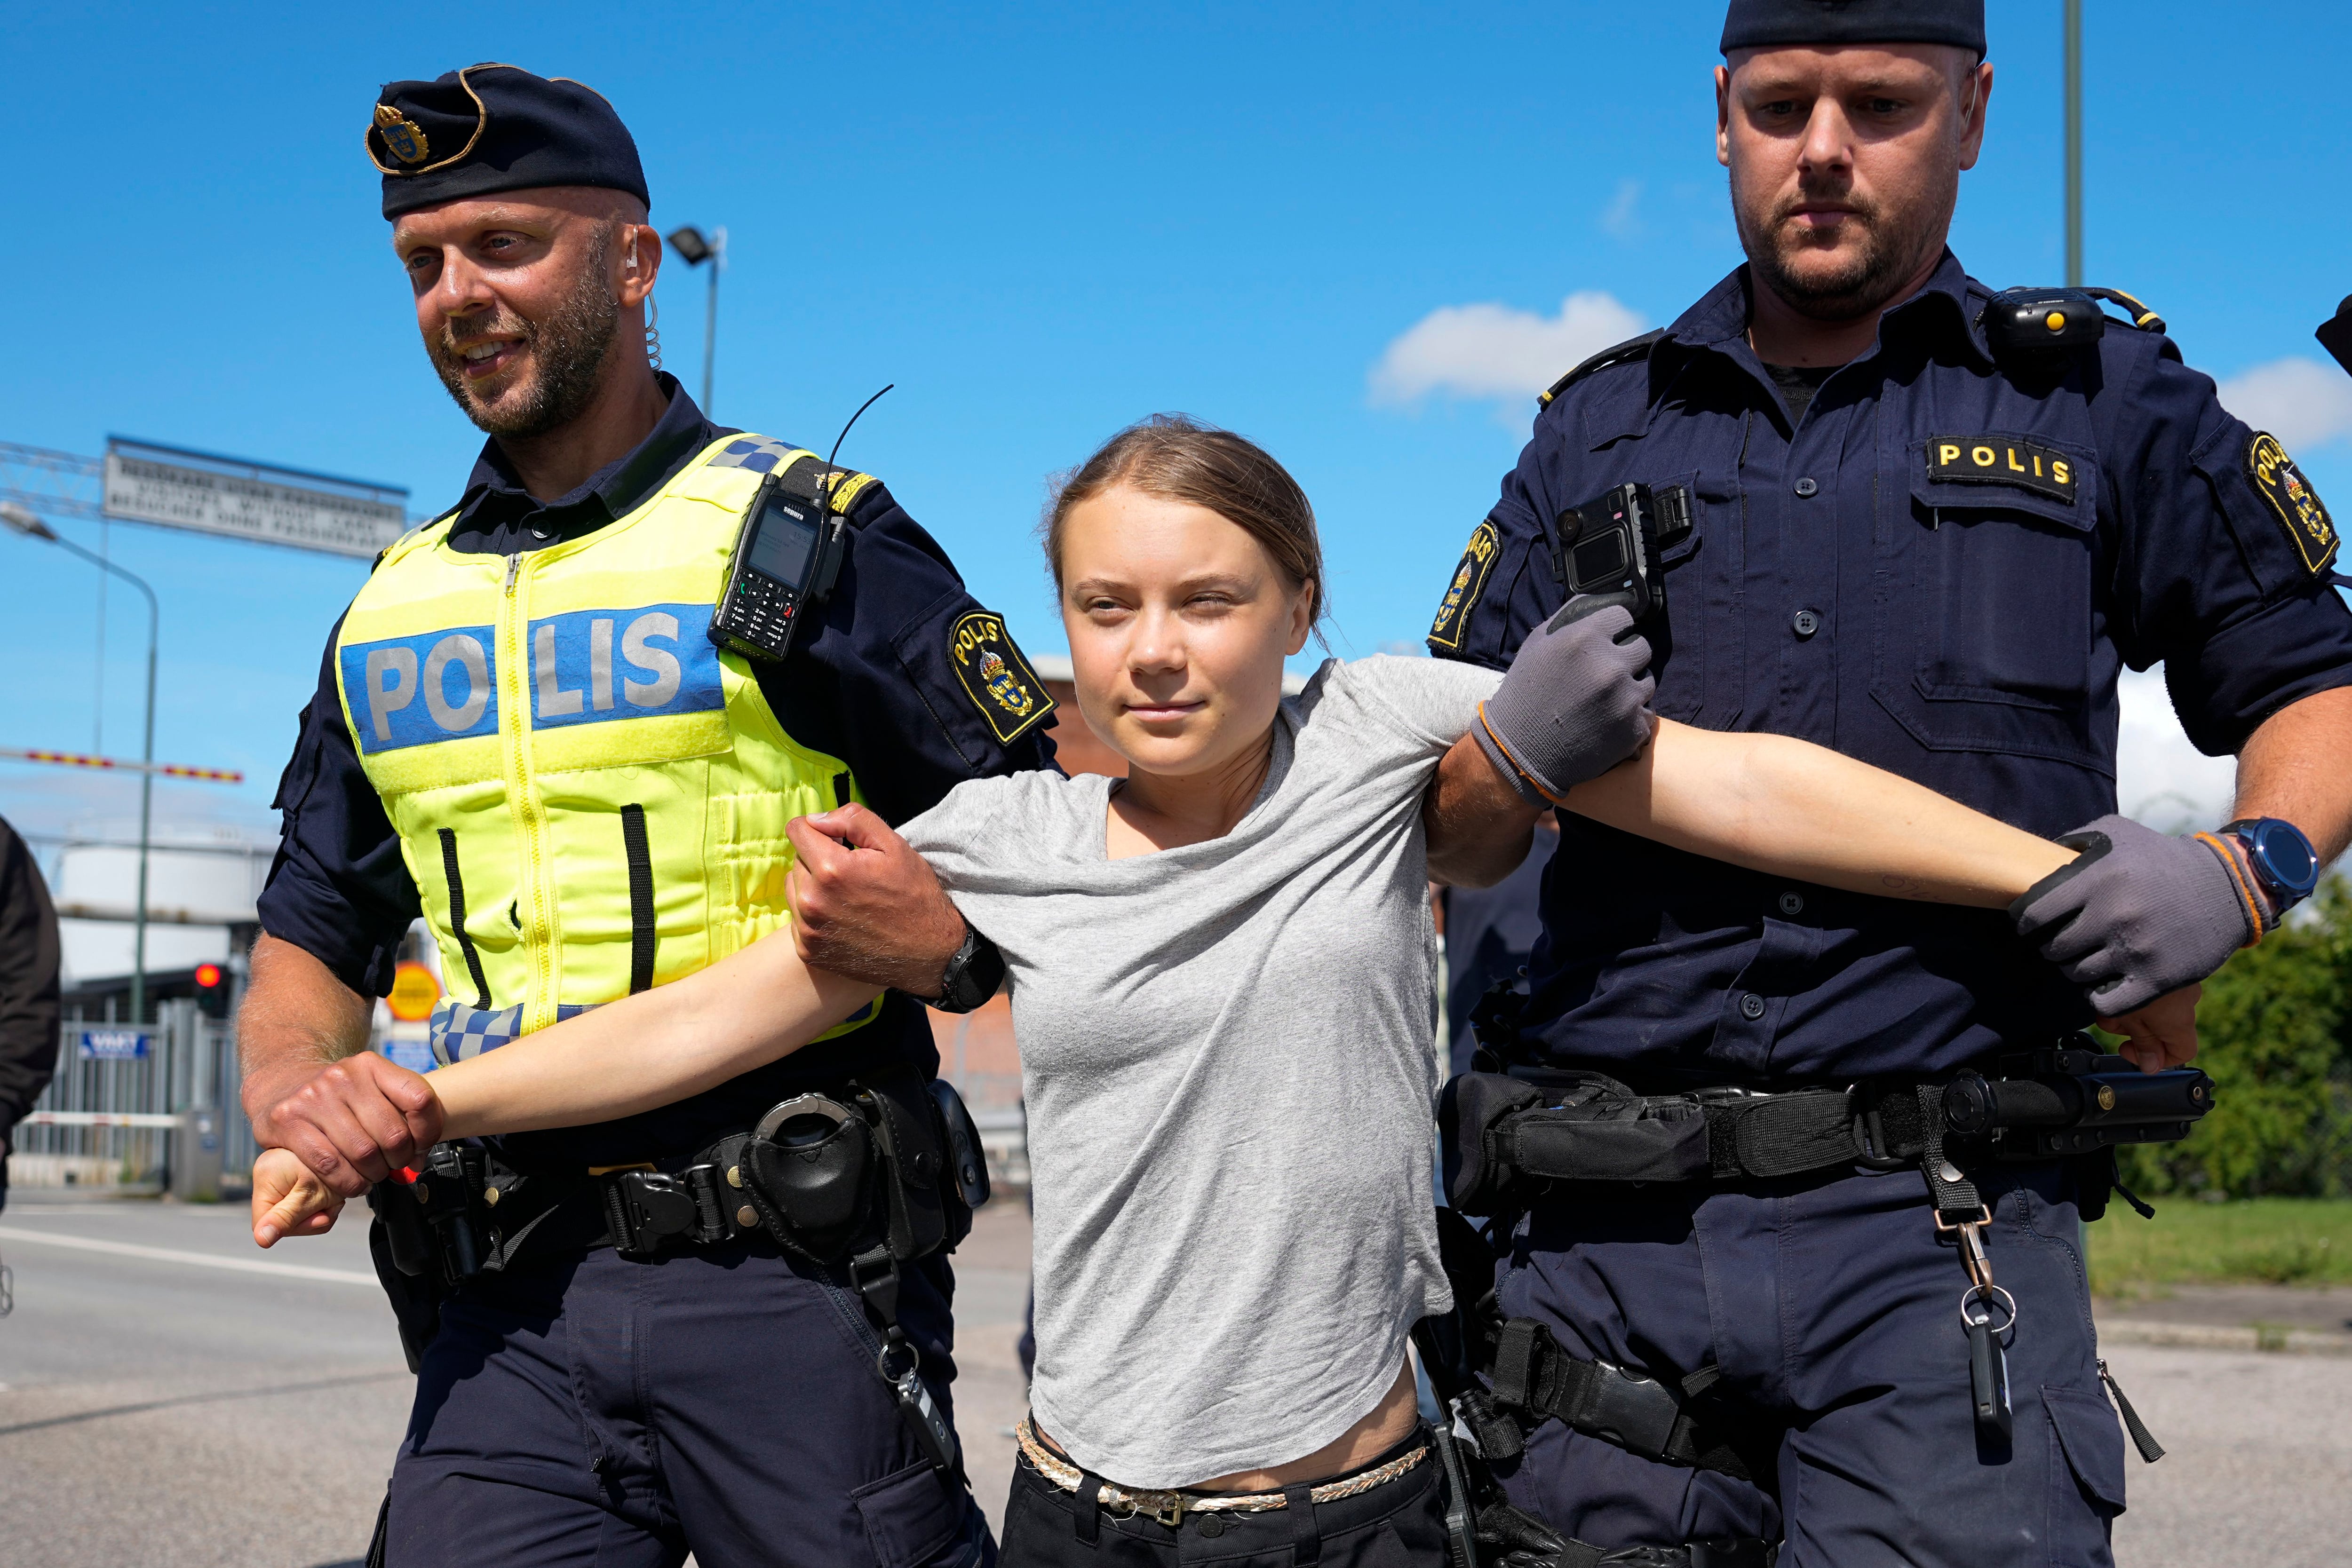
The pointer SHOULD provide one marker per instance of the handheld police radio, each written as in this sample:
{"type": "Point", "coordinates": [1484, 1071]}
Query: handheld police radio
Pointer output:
{"type": "Point", "coordinates": [786, 558]}
{"type": "Point", "coordinates": [1606, 551]}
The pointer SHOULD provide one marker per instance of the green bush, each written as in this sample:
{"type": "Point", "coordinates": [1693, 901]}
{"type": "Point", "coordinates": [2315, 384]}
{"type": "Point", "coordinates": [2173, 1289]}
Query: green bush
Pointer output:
{"type": "Point", "coordinates": [2273, 1029]}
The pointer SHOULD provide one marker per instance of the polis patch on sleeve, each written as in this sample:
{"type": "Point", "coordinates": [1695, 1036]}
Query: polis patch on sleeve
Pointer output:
{"type": "Point", "coordinates": [995, 676]}
{"type": "Point", "coordinates": [2300, 510]}
{"type": "Point", "coordinates": [1469, 582]}
{"type": "Point", "coordinates": [2002, 460]}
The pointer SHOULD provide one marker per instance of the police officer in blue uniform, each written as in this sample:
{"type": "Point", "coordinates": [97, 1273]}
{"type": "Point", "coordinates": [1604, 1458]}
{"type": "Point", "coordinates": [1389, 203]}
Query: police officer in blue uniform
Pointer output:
{"type": "Point", "coordinates": [1925, 524]}
{"type": "Point", "coordinates": [626, 1367]}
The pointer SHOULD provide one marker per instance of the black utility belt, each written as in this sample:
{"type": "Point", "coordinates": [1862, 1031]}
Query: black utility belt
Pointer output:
{"type": "Point", "coordinates": [1508, 1136]}
{"type": "Point", "coordinates": [890, 1157]}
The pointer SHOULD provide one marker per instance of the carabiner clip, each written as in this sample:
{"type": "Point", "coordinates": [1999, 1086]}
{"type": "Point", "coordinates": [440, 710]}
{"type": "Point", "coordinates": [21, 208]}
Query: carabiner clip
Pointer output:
{"type": "Point", "coordinates": [1973, 1257]}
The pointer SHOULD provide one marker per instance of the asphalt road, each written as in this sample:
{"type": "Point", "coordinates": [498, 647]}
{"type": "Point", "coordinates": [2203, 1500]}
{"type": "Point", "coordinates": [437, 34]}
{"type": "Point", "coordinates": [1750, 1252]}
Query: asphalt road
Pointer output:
{"type": "Point", "coordinates": [171, 1395]}
{"type": "Point", "coordinates": [157, 1407]}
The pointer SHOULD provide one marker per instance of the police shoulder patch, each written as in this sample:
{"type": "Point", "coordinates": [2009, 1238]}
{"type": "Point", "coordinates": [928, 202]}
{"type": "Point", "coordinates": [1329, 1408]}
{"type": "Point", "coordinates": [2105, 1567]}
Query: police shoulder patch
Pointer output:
{"type": "Point", "coordinates": [2004, 460]}
{"type": "Point", "coordinates": [2300, 510]}
{"type": "Point", "coordinates": [996, 677]}
{"type": "Point", "coordinates": [1469, 582]}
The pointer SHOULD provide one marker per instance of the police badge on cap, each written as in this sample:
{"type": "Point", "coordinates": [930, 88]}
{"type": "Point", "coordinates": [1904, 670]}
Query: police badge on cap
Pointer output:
{"type": "Point", "coordinates": [491, 128]}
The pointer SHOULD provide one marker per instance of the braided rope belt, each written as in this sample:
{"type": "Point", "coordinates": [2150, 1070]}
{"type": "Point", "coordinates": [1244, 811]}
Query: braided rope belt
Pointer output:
{"type": "Point", "coordinates": [1171, 1506]}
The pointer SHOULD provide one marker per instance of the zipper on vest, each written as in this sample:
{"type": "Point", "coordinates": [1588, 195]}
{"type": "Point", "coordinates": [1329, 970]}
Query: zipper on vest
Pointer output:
{"type": "Point", "coordinates": [539, 934]}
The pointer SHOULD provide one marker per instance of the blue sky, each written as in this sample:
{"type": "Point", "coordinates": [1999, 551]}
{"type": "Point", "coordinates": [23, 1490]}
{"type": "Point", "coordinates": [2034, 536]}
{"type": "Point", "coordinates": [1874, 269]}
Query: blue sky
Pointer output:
{"type": "Point", "coordinates": [1041, 222]}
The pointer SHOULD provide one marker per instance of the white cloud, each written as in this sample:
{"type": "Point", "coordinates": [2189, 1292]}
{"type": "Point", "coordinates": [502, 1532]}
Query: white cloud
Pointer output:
{"type": "Point", "coordinates": [2300, 401]}
{"type": "Point", "coordinates": [1494, 351]}
{"type": "Point", "coordinates": [2160, 779]}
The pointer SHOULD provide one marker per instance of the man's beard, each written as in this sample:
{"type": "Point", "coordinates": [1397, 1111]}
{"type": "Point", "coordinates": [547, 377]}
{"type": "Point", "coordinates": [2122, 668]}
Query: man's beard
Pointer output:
{"type": "Point", "coordinates": [566, 352]}
{"type": "Point", "coordinates": [1893, 247]}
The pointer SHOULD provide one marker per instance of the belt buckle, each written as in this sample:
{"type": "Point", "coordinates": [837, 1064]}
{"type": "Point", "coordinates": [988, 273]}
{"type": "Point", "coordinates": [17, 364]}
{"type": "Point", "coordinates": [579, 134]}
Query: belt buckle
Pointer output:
{"type": "Point", "coordinates": [1637, 1412]}
{"type": "Point", "coordinates": [1167, 1507]}
{"type": "Point", "coordinates": [1871, 1139]}
{"type": "Point", "coordinates": [645, 1206]}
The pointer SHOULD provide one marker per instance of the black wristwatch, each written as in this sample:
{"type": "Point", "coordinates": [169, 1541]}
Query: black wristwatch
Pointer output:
{"type": "Point", "coordinates": [972, 975]}
{"type": "Point", "coordinates": [2282, 859]}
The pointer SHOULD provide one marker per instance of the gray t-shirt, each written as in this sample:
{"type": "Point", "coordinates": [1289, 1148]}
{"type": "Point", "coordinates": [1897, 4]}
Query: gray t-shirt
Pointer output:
{"type": "Point", "coordinates": [1227, 1049]}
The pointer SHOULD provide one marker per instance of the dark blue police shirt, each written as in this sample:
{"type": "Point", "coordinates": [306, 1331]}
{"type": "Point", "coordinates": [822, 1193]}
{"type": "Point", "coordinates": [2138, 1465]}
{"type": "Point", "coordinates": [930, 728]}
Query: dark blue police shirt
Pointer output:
{"type": "Point", "coordinates": [1910, 576]}
{"type": "Point", "coordinates": [1490, 936]}
{"type": "Point", "coordinates": [872, 681]}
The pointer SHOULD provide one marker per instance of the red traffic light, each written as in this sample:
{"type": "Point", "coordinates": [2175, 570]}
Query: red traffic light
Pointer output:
{"type": "Point", "coordinates": [208, 976]}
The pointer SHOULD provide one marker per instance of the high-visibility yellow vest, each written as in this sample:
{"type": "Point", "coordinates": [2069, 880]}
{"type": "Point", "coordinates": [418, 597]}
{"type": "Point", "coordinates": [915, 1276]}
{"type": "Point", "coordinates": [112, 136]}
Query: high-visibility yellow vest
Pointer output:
{"type": "Point", "coordinates": [589, 794]}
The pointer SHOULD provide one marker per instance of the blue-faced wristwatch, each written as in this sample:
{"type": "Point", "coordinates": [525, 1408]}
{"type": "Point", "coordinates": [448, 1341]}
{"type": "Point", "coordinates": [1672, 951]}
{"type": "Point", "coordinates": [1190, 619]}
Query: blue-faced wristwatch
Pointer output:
{"type": "Point", "coordinates": [2280, 858]}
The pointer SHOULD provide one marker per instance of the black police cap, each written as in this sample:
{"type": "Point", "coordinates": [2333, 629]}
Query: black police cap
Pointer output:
{"type": "Point", "coordinates": [492, 128]}
{"type": "Point", "coordinates": [1773, 24]}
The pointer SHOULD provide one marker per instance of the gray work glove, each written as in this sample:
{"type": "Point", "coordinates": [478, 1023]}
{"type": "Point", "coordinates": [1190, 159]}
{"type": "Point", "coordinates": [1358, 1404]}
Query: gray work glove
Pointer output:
{"type": "Point", "coordinates": [1574, 704]}
{"type": "Point", "coordinates": [2140, 913]}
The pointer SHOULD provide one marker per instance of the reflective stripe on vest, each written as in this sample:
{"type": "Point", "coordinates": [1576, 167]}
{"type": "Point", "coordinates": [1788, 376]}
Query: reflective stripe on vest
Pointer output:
{"type": "Point", "coordinates": [590, 796]}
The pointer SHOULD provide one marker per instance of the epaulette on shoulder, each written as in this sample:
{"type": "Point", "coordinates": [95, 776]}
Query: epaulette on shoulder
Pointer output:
{"type": "Point", "coordinates": [2145, 319]}
{"type": "Point", "coordinates": [841, 487]}
{"type": "Point", "coordinates": [1624, 353]}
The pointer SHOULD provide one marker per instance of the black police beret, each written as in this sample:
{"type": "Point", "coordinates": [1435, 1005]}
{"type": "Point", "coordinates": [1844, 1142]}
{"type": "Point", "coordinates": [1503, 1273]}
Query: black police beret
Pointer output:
{"type": "Point", "coordinates": [1769, 23]}
{"type": "Point", "coordinates": [496, 128]}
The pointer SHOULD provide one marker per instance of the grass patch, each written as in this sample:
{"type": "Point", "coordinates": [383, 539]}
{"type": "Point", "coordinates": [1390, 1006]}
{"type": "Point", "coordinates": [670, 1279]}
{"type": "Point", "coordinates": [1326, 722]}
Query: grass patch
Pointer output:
{"type": "Point", "coordinates": [2263, 1241]}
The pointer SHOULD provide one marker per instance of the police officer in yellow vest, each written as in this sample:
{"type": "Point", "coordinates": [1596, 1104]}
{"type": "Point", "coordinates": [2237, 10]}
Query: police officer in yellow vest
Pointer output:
{"type": "Point", "coordinates": [525, 732]}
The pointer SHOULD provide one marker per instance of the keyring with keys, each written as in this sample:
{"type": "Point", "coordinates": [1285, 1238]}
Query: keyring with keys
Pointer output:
{"type": "Point", "coordinates": [1989, 1357]}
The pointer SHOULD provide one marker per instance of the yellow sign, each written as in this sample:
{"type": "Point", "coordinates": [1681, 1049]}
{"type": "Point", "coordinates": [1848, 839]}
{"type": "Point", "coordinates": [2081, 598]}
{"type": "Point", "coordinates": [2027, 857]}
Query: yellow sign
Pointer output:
{"type": "Point", "coordinates": [413, 992]}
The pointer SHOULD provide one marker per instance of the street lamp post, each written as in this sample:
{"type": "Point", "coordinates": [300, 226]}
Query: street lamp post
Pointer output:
{"type": "Point", "coordinates": [2072, 54]}
{"type": "Point", "coordinates": [695, 249]}
{"type": "Point", "coordinates": [22, 521]}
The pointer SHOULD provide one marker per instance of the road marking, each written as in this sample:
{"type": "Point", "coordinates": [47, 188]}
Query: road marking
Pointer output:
{"type": "Point", "coordinates": [198, 1260]}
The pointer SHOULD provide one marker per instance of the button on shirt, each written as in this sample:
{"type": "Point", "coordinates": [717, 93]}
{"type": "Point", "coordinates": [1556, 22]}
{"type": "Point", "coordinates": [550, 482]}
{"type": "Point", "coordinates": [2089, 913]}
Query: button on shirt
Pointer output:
{"type": "Point", "coordinates": [1961, 625]}
{"type": "Point", "coordinates": [870, 681]}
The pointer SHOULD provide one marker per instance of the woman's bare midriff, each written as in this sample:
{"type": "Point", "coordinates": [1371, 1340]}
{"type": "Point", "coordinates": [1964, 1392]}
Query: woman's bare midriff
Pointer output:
{"type": "Point", "coordinates": [1359, 1446]}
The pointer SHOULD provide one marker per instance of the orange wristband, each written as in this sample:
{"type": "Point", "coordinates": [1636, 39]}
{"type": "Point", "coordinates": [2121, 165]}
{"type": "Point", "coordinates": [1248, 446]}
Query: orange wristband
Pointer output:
{"type": "Point", "coordinates": [2256, 919]}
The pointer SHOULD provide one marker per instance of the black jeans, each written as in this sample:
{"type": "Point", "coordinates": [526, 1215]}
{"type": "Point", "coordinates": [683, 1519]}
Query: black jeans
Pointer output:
{"type": "Point", "coordinates": [1397, 1525]}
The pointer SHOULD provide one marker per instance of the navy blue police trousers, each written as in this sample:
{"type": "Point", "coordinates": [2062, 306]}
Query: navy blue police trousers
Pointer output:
{"type": "Point", "coordinates": [1834, 1314]}
{"type": "Point", "coordinates": [589, 1411]}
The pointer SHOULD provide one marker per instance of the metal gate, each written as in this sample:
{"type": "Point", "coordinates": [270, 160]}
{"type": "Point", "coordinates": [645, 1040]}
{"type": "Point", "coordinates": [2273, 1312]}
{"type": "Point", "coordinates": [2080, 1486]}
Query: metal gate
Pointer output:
{"type": "Point", "coordinates": [113, 1115]}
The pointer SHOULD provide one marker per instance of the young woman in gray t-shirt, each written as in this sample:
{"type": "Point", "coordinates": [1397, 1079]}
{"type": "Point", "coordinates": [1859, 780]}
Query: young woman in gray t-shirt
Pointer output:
{"type": "Point", "coordinates": [1221, 972]}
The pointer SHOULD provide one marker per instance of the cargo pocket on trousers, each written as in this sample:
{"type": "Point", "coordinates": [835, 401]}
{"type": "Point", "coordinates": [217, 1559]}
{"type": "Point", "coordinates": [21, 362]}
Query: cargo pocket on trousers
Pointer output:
{"type": "Point", "coordinates": [2086, 1474]}
{"type": "Point", "coordinates": [913, 1518]}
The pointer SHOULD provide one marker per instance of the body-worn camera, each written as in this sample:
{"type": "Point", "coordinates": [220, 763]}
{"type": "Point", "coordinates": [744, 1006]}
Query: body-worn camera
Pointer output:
{"type": "Point", "coordinates": [1606, 550]}
{"type": "Point", "coordinates": [2027, 326]}
{"type": "Point", "coordinates": [786, 558]}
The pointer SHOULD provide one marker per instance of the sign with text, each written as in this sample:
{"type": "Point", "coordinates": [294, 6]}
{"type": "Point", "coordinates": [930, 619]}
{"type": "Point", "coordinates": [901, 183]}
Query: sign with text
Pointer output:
{"type": "Point", "coordinates": [114, 1045]}
{"type": "Point", "coordinates": [183, 489]}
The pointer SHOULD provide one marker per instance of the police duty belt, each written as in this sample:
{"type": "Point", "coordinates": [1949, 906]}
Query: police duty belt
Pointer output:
{"type": "Point", "coordinates": [1507, 1135]}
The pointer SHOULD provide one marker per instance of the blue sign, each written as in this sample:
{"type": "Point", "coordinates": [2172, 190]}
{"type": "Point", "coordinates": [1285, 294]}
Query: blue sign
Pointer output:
{"type": "Point", "coordinates": [114, 1044]}
{"type": "Point", "coordinates": [416, 1055]}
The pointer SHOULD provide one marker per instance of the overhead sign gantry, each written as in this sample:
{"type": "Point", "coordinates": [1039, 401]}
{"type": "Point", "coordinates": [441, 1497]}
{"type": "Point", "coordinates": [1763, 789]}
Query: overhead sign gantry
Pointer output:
{"type": "Point", "coordinates": [179, 488]}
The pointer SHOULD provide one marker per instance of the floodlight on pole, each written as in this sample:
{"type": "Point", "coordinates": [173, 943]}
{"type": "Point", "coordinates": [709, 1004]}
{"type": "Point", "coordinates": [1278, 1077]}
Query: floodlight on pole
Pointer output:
{"type": "Point", "coordinates": [21, 519]}
{"type": "Point", "coordinates": [695, 249]}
